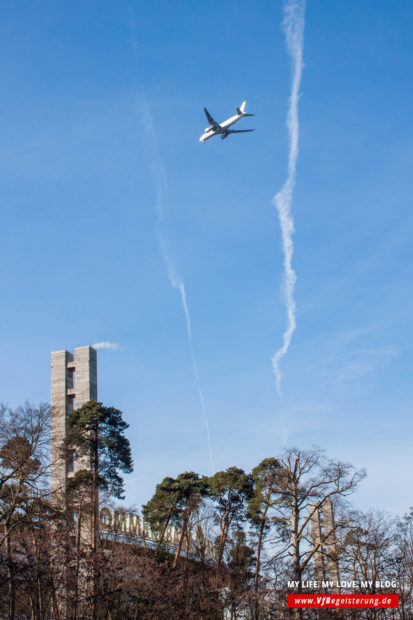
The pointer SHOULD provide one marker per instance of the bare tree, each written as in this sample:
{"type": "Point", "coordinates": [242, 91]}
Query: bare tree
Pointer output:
{"type": "Point", "coordinates": [306, 481]}
{"type": "Point", "coordinates": [24, 438]}
{"type": "Point", "coordinates": [403, 564]}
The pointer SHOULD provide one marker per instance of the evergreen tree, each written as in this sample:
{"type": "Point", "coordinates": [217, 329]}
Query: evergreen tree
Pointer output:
{"type": "Point", "coordinates": [96, 433]}
{"type": "Point", "coordinates": [230, 489]}
{"type": "Point", "coordinates": [265, 488]}
{"type": "Point", "coordinates": [175, 501]}
{"type": "Point", "coordinates": [160, 508]}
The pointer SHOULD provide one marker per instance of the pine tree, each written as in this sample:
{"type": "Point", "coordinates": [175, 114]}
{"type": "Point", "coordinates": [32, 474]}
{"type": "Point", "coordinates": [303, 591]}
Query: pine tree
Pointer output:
{"type": "Point", "coordinates": [175, 501]}
{"type": "Point", "coordinates": [230, 489]}
{"type": "Point", "coordinates": [96, 433]}
{"type": "Point", "coordinates": [265, 478]}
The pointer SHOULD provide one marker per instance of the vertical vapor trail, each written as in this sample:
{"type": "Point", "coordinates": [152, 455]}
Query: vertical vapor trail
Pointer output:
{"type": "Point", "coordinates": [293, 26]}
{"type": "Point", "coordinates": [195, 367]}
{"type": "Point", "coordinates": [162, 205]}
{"type": "Point", "coordinates": [175, 279]}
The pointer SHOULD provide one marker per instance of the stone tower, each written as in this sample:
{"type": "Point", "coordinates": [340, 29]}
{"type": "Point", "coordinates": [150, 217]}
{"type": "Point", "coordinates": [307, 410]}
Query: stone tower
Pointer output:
{"type": "Point", "coordinates": [323, 533]}
{"type": "Point", "coordinates": [74, 382]}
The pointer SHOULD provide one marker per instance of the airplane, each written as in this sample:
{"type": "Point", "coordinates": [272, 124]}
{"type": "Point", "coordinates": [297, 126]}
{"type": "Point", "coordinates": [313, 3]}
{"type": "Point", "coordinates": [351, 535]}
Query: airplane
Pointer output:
{"type": "Point", "coordinates": [222, 129]}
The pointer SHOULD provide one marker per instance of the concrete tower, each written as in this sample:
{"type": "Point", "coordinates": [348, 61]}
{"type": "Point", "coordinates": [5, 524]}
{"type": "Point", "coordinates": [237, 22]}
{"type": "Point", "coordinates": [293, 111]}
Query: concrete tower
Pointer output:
{"type": "Point", "coordinates": [74, 383]}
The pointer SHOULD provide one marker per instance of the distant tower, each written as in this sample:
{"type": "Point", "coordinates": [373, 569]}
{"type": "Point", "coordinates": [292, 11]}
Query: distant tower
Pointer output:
{"type": "Point", "coordinates": [324, 534]}
{"type": "Point", "coordinates": [74, 383]}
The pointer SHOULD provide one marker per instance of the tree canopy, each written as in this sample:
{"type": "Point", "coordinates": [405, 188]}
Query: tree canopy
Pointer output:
{"type": "Point", "coordinates": [99, 431]}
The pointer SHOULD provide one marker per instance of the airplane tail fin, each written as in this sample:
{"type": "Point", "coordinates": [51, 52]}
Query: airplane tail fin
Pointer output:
{"type": "Point", "coordinates": [241, 109]}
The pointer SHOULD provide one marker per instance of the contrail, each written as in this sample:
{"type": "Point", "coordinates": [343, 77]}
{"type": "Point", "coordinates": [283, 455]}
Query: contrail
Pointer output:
{"type": "Point", "coordinates": [162, 205]}
{"type": "Point", "coordinates": [293, 26]}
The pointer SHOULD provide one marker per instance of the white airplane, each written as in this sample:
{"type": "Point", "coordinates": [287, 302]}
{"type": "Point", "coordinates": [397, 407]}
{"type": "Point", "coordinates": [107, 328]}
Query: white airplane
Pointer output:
{"type": "Point", "coordinates": [215, 129]}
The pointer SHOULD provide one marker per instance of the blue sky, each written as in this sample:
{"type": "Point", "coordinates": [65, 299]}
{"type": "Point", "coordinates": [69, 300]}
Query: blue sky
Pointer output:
{"type": "Point", "coordinates": [80, 260]}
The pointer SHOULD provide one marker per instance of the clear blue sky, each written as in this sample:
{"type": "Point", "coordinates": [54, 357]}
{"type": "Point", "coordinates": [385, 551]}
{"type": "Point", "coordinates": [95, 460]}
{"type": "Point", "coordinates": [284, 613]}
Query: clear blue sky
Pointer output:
{"type": "Point", "coordinates": [80, 261]}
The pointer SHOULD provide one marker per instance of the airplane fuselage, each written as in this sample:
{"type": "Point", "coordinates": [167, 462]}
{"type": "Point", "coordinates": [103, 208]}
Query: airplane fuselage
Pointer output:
{"type": "Point", "coordinates": [210, 133]}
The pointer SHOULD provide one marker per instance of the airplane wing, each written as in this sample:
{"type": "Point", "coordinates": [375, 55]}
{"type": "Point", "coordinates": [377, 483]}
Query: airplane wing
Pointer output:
{"type": "Point", "coordinates": [238, 130]}
{"type": "Point", "coordinates": [212, 123]}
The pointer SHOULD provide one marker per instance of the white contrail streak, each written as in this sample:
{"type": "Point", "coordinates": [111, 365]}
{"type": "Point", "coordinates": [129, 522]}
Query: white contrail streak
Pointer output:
{"type": "Point", "coordinates": [293, 26]}
{"type": "Point", "coordinates": [162, 204]}
{"type": "Point", "coordinates": [195, 367]}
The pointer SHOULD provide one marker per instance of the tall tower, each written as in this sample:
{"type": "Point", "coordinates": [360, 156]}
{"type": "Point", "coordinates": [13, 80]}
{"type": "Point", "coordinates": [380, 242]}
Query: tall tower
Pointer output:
{"type": "Point", "coordinates": [74, 383]}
